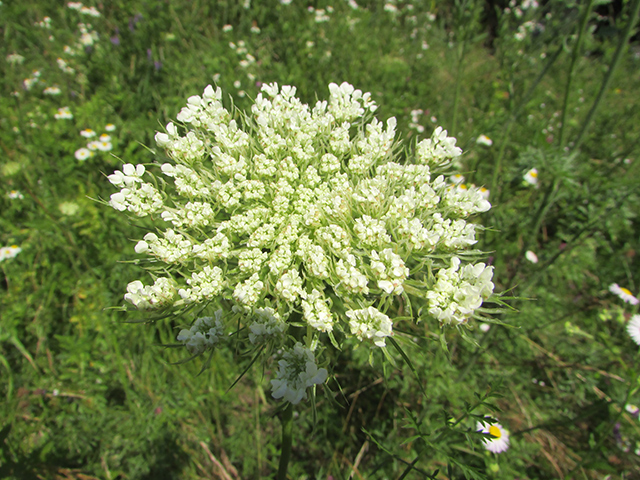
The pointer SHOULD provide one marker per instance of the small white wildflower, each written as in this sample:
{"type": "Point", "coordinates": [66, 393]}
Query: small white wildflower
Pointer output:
{"type": "Point", "coordinates": [633, 328]}
{"type": "Point", "coordinates": [531, 256]}
{"type": "Point", "coordinates": [498, 441]}
{"type": "Point", "coordinates": [624, 294]}
{"type": "Point", "coordinates": [531, 177]}
{"type": "Point", "coordinates": [484, 140]}
{"type": "Point", "coordinates": [15, 195]}
{"type": "Point", "coordinates": [9, 252]}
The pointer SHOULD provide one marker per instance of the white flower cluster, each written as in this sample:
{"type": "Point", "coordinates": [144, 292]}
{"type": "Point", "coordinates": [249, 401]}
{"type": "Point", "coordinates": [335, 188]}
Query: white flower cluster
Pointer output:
{"type": "Point", "coordinates": [267, 324]}
{"type": "Point", "coordinates": [371, 324]}
{"type": "Point", "coordinates": [136, 196]}
{"type": "Point", "coordinates": [203, 334]}
{"type": "Point", "coordinates": [297, 371]}
{"type": "Point", "coordinates": [299, 213]}
{"type": "Point", "coordinates": [458, 292]}
{"type": "Point", "coordinates": [160, 294]}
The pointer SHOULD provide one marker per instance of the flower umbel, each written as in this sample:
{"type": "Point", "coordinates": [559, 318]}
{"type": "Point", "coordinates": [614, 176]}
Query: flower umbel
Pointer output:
{"type": "Point", "coordinates": [305, 216]}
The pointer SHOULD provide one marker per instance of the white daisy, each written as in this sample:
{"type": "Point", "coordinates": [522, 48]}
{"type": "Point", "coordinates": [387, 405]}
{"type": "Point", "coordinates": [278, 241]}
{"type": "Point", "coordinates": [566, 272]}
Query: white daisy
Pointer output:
{"type": "Point", "coordinates": [498, 442]}
{"type": "Point", "coordinates": [531, 177]}
{"type": "Point", "coordinates": [484, 140]}
{"type": "Point", "coordinates": [456, 179]}
{"type": "Point", "coordinates": [9, 252]}
{"type": "Point", "coordinates": [633, 328]}
{"type": "Point", "coordinates": [82, 154]}
{"type": "Point", "coordinates": [532, 257]}
{"type": "Point", "coordinates": [110, 127]}
{"type": "Point", "coordinates": [624, 294]}
{"type": "Point", "coordinates": [87, 133]}
{"type": "Point", "coordinates": [632, 409]}
{"type": "Point", "coordinates": [104, 146]}
{"type": "Point", "coordinates": [15, 195]}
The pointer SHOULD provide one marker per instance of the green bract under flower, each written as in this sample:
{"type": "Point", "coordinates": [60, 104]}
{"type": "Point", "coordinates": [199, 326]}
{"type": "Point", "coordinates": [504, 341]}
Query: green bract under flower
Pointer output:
{"type": "Point", "coordinates": [304, 215]}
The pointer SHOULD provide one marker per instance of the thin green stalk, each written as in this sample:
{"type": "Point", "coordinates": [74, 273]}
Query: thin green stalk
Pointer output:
{"type": "Point", "coordinates": [547, 202]}
{"type": "Point", "coordinates": [622, 46]}
{"type": "Point", "coordinates": [287, 440]}
{"type": "Point", "coordinates": [633, 387]}
{"type": "Point", "coordinates": [514, 116]}
{"type": "Point", "coordinates": [456, 97]}
{"type": "Point", "coordinates": [574, 58]}
{"type": "Point", "coordinates": [441, 436]}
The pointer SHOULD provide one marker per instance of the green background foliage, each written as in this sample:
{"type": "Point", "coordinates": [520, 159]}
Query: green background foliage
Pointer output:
{"type": "Point", "coordinates": [85, 394]}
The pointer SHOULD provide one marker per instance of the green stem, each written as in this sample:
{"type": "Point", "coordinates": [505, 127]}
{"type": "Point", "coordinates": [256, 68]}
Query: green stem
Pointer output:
{"type": "Point", "coordinates": [287, 440]}
{"type": "Point", "coordinates": [514, 116]}
{"type": "Point", "coordinates": [574, 58]}
{"type": "Point", "coordinates": [606, 434]}
{"type": "Point", "coordinates": [622, 46]}
{"type": "Point", "coordinates": [456, 98]}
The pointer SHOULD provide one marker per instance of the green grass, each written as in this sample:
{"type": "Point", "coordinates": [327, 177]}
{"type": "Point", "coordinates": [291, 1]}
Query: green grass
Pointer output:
{"type": "Point", "coordinates": [88, 395]}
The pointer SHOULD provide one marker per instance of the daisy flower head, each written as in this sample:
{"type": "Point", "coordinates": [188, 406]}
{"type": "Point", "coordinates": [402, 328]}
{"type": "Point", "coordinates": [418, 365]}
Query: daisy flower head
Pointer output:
{"type": "Point", "coordinates": [531, 256]}
{"type": "Point", "coordinates": [104, 146]}
{"type": "Point", "coordinates": [623, 293]}
{"type": "Point", "coordinates": [15, 195]}
{"type": "Point", "coordinates": [110, 127]}
{"type": "Point", "coordinates": [9, 252]}
{"type": "Point", "coordinates": [456, 179]}
{"type": "Point", "coordinates": [52, 91]}
{"type": "Point", "coordinates": [484, 140]}
{"type": "Point", "coordinates": [82, 154]}
{"type": "Point", "coordinates": [87, 133]}
{"type": "Point", "coordinates": [633, 328]}
{"type": "Point", "coordinates": [64, 113]}
{"type": "Point", "coordinates": [632, 409]}
{"type": "Point", "coordinates": [531, 177]}
{"type": "Point", "coordinates": [105, 138]}
{"type": "Point", "coordinates": [498, 441]}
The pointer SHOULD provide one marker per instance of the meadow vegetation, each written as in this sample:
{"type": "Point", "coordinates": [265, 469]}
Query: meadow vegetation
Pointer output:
{"type": "Point", "coordinates": [542, 98]}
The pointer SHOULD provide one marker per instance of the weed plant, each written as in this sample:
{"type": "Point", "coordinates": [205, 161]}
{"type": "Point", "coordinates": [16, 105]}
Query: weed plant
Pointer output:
{"type": "Point", "coordinates": [542, 98]}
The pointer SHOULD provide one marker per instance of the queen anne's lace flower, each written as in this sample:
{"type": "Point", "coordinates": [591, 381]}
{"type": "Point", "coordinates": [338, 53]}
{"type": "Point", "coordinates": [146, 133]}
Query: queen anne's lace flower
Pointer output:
{"type": "Point", "coordinates": [303, 216]}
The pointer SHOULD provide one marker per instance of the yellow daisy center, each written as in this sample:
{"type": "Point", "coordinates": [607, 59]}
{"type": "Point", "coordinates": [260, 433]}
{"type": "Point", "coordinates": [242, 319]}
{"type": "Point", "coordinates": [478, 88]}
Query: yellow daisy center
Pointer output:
{"type": "Point", "coordinates": [495, 431]}
{"type": "Point", "coordinates": [534, 174]}
{"type": "Point", "coordinates": [624, 290]}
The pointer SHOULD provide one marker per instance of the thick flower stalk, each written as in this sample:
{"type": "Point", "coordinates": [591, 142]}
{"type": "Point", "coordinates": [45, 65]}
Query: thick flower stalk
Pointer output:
{"type": "Point", "coordinates": [296, 216]}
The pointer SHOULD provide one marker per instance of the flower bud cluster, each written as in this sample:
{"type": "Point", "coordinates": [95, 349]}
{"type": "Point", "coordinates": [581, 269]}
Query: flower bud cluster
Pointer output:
{"type": "Point", "coordinates": [203, 334]}
{"type": "Point", "coordinates": [371, 324]}
{"type": "Point", "coordinates": [160, 294]}
{"type": "Point", "coordinates": [458, 292]}
{"type": "Point", "coordinates": [138, 197]}
{"type": "Point", "coordinates": [297, 371]}
{"type": "Point", "coordinates": [291, 215]}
